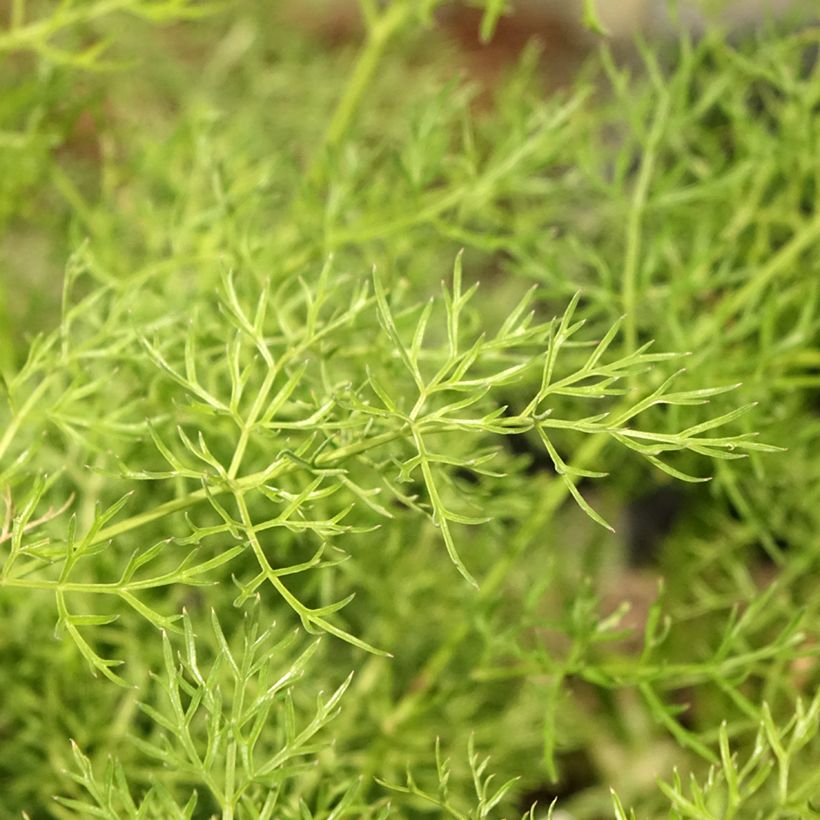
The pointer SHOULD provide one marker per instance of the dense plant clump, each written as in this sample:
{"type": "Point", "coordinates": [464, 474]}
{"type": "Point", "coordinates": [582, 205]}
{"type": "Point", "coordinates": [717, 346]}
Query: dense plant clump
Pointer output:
{"type": "Point", "coordinates": [383, 446]}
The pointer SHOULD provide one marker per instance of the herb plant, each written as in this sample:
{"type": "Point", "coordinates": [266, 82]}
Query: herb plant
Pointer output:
{"type": "Point", "coordinates": [331, 455]}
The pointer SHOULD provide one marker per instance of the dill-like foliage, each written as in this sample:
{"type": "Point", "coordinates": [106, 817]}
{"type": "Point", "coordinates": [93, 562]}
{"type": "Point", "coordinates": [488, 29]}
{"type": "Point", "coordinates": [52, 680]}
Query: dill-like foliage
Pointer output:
{"type": "Point", "coordinates": [321, 455]}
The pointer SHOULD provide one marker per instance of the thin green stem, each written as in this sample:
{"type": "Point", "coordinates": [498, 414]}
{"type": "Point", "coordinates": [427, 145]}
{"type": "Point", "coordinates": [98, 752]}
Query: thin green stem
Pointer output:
{"type": "Point", "coordinates": [331, 457]}
{"type": "Point", "coordinates": [736, 300]}
{"type": "Point", "coordinates": [555, 493]}
{"type": "Point", "coordinates": [379, 33]}
{"type": "Point", "coordinates": [327, 459]}
{"type": "Point", "coordinates": [17, 418]}
{"type": "Point", "coordinates": [160, 511]}
{"type": "Point", "coordinates": [307, 615]}
{"type": "Point", "coordinates": [29, 35]}
{"type": "Point", "coordinates": [256, 409]}
{"type": "Point", "coordinates": [634, 229]}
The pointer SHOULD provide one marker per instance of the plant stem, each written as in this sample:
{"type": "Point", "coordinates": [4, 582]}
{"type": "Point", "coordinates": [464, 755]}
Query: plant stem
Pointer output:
{"type": "Point", "coordinates": [17, 418]}
{"type": "Point", "coordinates": [629, 287]}
{"type": "Point", "coordinates": [184, 502]}
{"type": "Point", "coordinates": [555, 493]}
{"type": "Point", "coordinates": [737, 300]}
{"type": "Point", "coordinates": [175, 505]}
{"type": "Point", "coordinates": [378, 36]}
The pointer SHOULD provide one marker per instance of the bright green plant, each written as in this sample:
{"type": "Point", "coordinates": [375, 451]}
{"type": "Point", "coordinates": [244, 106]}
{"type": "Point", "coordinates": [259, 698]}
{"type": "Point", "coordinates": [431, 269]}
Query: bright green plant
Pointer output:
{"type": "Point", "coordinates": [269, 388]}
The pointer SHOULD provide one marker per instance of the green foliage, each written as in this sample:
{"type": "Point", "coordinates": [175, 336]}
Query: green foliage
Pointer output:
{"type": "Point", "coordinates": [732, 790]}
{"type": "Point", "coordinates": [209, 733]}
{"type": "Point", "coordinates": [247, 401]}
{"type": "Point", "coordinates": [488, 797]}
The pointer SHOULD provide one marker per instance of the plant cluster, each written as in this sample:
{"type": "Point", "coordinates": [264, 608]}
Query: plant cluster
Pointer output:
{"type": "Point", "coordinates": [328, 471]}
